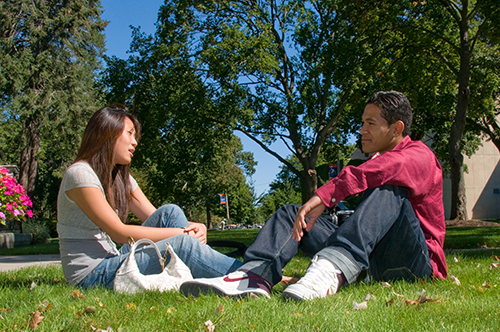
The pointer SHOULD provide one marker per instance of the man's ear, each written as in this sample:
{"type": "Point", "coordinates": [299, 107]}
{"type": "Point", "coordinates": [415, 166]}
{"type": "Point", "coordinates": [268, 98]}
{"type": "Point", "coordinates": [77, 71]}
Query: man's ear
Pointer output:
{"type": "Point", "coordinates": [398, 128]}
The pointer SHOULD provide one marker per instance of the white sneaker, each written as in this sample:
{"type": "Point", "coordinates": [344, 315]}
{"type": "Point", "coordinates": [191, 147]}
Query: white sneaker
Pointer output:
{"type": "Point", "coordinates": [321, 279]}
{"type": "Point", "coordinates": [237, 284]}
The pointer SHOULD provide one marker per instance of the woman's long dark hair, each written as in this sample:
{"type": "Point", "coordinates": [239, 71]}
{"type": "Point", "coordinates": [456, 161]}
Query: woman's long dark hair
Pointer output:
{"type": "Point", "coordinates": [97, 148]}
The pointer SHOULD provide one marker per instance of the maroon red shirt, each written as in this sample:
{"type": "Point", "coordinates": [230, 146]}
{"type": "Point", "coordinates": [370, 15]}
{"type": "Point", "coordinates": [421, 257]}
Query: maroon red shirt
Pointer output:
{"type": "Point", "coordinates": [410, 164]}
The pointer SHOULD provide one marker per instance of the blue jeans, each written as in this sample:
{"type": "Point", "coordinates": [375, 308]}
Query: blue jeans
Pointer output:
{"type": "Point", "coordinates": [203, 261]}
{"type": "Point", "coordinates": [382, 237]}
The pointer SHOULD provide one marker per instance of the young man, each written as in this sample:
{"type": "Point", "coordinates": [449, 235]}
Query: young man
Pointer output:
{"type": "Point", "coordinates": [396, 232]}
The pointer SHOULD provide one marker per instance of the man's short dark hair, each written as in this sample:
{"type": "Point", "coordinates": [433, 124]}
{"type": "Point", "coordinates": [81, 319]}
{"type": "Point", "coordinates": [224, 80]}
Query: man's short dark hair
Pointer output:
{"type": "Point", "coordinates": [394, 107]}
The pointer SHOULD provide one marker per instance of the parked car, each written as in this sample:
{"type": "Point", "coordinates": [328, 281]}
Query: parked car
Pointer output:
{"type": "Point", "coordinates": [339, 213]}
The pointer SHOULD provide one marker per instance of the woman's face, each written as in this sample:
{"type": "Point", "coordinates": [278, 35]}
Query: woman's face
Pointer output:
{"type": "Point", "coordinates": [125, 144]}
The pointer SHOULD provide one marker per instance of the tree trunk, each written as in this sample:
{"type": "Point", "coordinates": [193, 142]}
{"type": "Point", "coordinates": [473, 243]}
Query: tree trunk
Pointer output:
{"type": "Point", "coordinates": [310, 179]}
{"type": "Point", "coordinates": [28, 161]}
{"type": "Point", "coordinates": [209, 217]}
{"type": "Point", "coordinates": [458, 198]}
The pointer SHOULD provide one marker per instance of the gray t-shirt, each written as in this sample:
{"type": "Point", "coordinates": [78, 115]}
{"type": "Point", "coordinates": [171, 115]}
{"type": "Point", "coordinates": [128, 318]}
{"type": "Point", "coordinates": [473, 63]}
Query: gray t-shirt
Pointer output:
{"type": "Point", "coordinates": [82, 244]}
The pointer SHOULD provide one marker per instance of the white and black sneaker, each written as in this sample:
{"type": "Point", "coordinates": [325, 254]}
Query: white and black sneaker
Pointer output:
{"type": "Point", "coordinates": [321, 279]}
{"type": "Point", "coordinates": [239, 284]}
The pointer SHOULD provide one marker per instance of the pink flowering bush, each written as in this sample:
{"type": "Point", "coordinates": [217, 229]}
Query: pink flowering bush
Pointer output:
{"type": "Point", "coordinates": [14, 203]}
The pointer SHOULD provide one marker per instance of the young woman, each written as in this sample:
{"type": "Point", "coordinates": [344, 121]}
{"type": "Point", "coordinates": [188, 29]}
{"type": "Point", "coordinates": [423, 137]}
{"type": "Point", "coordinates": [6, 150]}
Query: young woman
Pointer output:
{"type": "Point", "coordinates": [96, 193]}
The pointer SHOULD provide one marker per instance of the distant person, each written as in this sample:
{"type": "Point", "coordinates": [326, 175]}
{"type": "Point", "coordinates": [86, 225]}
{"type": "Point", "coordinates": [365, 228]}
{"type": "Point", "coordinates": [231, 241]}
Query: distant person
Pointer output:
{"type": "Point", "coordinates": [396, 232]}
{"type": "Point", "coordinates": [96, 194]}
{"type": "Point", "coordinates": [223, 224]}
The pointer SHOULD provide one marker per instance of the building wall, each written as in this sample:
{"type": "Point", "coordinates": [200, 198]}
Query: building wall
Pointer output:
{"type": "Point", "coordinates": [482, 184]}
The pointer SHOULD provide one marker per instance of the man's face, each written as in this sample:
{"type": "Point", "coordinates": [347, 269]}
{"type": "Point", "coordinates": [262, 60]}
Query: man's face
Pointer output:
{"type": "Point", "coordinates": [376, 134]}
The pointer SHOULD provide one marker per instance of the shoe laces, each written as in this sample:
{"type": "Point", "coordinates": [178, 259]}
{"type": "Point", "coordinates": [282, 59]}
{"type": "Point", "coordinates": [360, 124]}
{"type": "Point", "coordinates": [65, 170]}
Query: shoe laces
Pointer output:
{"type": "Point", "coordinates": [318, 276]}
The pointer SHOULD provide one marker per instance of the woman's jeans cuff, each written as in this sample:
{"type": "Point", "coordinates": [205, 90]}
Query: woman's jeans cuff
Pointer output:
{"type": "Point", "coordinates": [263, 269]}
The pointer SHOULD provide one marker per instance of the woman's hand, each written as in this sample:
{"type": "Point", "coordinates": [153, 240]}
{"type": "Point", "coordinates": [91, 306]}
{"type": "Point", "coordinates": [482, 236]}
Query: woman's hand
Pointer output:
{"type": "Point", "coordinates": [198, 231]}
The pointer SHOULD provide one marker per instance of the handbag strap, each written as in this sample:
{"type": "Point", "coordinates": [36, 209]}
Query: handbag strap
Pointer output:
{"type": "Point", "coordinates": [150, 242]}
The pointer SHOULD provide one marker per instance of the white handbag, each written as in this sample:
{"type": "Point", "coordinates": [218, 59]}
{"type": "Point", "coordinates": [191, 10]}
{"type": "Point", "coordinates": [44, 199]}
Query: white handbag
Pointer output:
{"type": "Point", "coordinates": [129, 279]}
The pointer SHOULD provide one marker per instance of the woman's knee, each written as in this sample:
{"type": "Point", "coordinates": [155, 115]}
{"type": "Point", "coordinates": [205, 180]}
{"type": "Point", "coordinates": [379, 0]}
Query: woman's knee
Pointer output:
{"type": "Point", "coordinates": [169, 209]}
{"type": "Point", "coordinates": [183, 242]}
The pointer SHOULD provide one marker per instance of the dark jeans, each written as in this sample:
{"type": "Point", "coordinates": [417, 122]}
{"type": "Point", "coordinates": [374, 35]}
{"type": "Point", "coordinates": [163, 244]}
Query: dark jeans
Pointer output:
{"type": "Point", "coordinates": [382, 237]}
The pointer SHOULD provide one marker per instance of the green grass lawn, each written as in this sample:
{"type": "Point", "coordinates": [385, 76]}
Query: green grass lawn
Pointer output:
{"type": "Point", "coordinates": [467, 302]}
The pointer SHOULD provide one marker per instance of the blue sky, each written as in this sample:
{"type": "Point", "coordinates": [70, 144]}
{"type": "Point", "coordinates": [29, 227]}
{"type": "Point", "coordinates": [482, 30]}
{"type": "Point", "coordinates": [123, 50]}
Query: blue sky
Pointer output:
{"type": "Point", "coordinates": [123, 13]}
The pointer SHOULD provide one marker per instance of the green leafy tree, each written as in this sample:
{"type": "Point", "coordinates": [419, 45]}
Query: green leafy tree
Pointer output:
{"type": "Point", "coordinates": [49, 54]}
{"type": "Point", "coordinates": [462, 35]}
{"type": "Point", "coordinates": [443, 54]}
{"type": "Point", "coordinates": [277, 70]}
{"type": "Point", "coordinates": [182, 157]}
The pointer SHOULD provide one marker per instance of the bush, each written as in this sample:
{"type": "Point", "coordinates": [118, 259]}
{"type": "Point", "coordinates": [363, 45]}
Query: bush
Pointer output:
{"type": "Point", "coordinates": [40, 232]}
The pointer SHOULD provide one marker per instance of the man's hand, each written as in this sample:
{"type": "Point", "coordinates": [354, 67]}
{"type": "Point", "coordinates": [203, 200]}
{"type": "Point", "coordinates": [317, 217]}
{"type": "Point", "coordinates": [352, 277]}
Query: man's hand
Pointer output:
{"type": "Point", "coordinates": [313, 208]}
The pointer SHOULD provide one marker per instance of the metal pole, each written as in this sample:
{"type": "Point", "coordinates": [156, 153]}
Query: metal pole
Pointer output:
{"type": "Point", "coordinates": [227, 209]}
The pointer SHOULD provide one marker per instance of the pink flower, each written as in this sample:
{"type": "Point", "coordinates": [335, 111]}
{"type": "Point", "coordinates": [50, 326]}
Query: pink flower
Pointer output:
{"type": "Point", "coordinates": [13, 200]}
{"type": "Point", "coordinates": [25, 200]}
{"type": "Point", "coordinates": [19, 189]}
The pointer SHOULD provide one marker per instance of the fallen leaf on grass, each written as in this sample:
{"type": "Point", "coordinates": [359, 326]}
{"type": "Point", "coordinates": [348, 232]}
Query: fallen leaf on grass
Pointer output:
{"type": "Point", "coordinates": [76, 293]}
{"type": "Point", "coordinates": [398, 295]}
{"type": "Point", "coordinates": [477, 288]}
{"type": "Point", "coordinates": [109, 329]}
{"type": "Point", "coordinates": [360, 306]}
{"type": "Point", "coordinates": [88, 310]}
{"type": "Point", "coordinates": [388, 303]}
{"type": "Point", "coordinates": [35, 320]}
{"type": "Point", "coordinates": [32, 286]}
{"type": "Point", "coordinates": [47, 307]}
{"type": "Point", "coordinates": [456, 260]}
{"type": "Point", "coordinates": [219, 309]}
{"type": "Point", "coordinates": [455, 280]}
{"type": "Point", "coordinates": [131, 306]}
{"type": "Point", "coordinates": [209, 326]}
{"type": "Point", "coordinates": [288, 280]}
{"type": "Point", "coordinates": [171, 310]}
{"type": "Point", "coordinates": [363, 305]}
{"type": "Point", "coordinates": [298, 314]}
{"type": "Point", "coordinates": [422, 299]}
{"type": "Point", "coordinates": [494, 266]}
{"type": "Point", "coordinates": [486, 285]}
{"type": "Point", "coordinates": [386, 284]}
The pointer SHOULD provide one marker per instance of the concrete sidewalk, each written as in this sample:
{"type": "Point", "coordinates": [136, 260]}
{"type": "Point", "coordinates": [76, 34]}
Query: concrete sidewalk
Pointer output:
{"type": "Point", "coordinates": [9, 263]}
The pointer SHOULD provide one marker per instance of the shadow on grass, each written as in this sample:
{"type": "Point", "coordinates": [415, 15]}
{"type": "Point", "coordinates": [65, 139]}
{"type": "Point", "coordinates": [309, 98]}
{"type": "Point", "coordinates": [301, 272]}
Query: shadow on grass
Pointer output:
{"type": "Point", "coordinates": [35, 249]}
{"type": "Point", "coordinates": [479, 252]}
{"type": "Point", "coordinates": [472, 238]}
{"type": "Point", "coordinates": [23, 278]}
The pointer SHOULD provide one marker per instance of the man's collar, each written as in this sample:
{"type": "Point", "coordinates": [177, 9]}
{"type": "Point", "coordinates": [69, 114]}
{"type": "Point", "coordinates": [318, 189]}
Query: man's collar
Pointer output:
{"type": "Point", "coordinates": [401, 145]}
